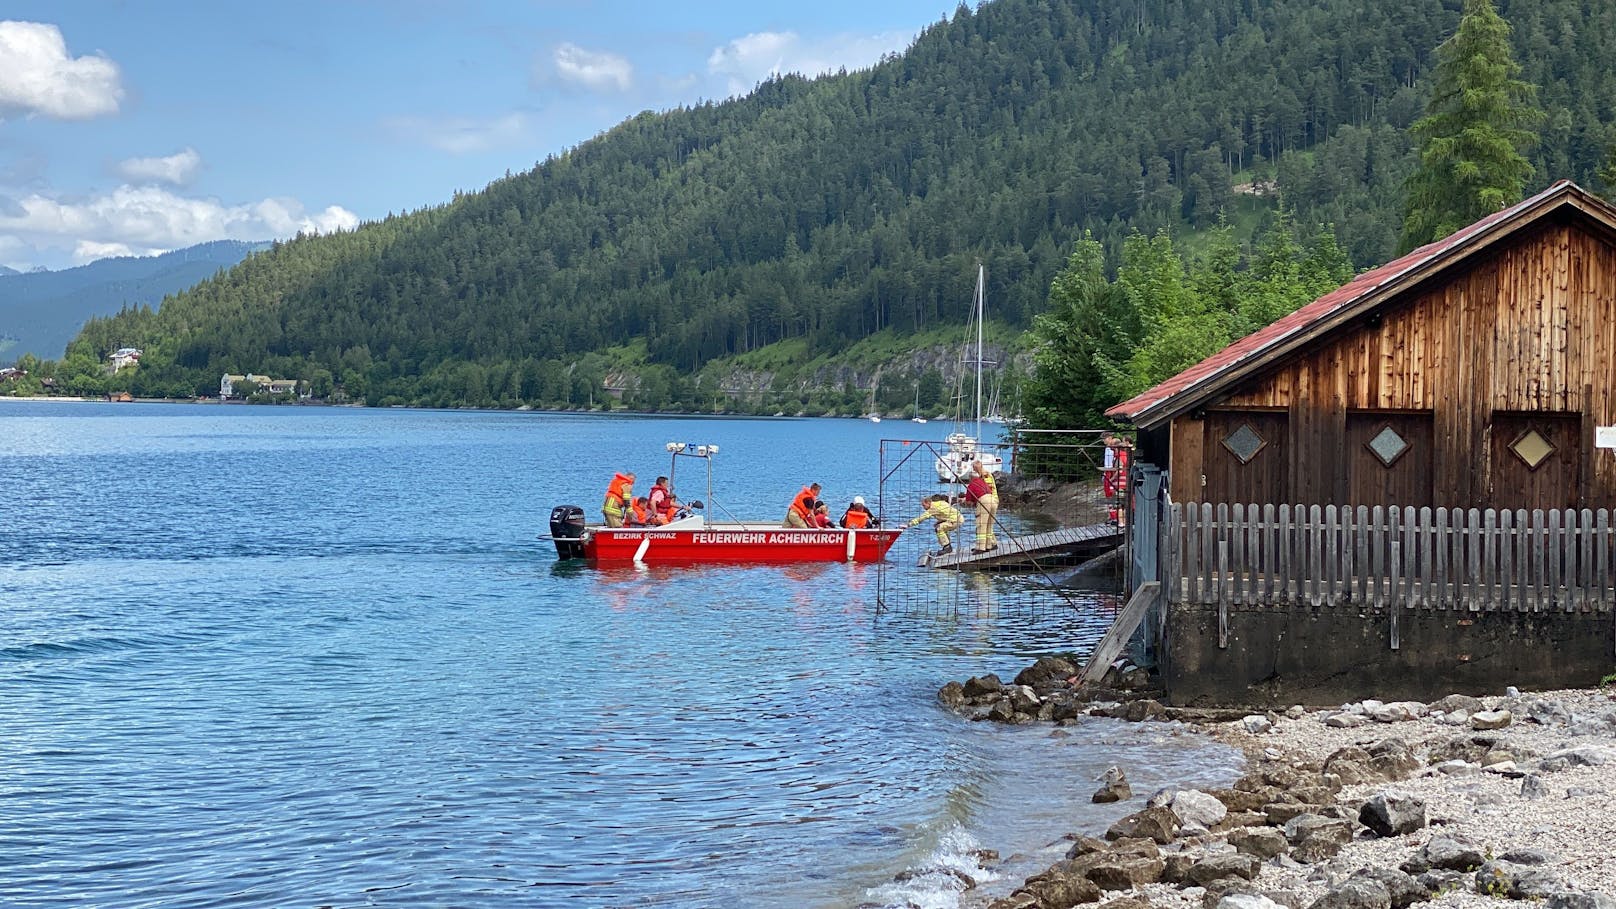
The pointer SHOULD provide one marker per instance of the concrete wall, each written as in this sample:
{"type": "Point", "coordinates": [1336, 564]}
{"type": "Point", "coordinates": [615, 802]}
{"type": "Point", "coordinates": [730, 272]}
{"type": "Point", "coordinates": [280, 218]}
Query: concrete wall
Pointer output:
{"type": "Point", "coordinates": [1278, 657]}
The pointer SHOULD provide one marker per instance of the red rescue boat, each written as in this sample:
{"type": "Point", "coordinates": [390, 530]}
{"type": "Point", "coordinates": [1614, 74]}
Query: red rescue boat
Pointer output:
{"type": "Point", "coordinates": [692, 539]}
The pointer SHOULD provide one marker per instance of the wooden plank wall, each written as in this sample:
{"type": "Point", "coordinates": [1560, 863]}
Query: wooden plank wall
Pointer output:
{"type": "Point", "coordinates": [1390, 558]}
{"type": "Point", "coordinates": [1530, 328]}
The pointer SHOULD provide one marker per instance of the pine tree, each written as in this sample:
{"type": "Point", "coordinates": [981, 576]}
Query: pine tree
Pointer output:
{"type": "Point", "coordinates": [1474, 131]}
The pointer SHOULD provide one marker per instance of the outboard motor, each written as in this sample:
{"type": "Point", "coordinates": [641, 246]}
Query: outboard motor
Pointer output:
{"type": "Point", "coordinates": [567, 530]}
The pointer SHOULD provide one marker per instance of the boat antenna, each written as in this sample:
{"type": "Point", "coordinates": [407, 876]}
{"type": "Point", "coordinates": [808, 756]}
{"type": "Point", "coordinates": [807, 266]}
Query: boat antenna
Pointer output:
{"type": "Point", "coordinates": [981, 280]}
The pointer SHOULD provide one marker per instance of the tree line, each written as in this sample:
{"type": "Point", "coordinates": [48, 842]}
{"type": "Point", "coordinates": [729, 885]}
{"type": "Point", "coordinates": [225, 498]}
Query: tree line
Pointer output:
{"type": "Point", "coordinates": [821, 213]}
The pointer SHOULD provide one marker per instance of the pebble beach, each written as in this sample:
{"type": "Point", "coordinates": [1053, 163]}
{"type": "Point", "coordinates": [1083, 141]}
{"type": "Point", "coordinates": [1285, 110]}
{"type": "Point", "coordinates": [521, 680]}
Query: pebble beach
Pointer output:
{"type": "Point", "coordinates": [1463, 802]}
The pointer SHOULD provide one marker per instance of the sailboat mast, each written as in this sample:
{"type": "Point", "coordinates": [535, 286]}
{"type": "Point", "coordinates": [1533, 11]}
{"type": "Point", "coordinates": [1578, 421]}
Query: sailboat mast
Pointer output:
{"type": "Point", "coordinates": [981, 293]}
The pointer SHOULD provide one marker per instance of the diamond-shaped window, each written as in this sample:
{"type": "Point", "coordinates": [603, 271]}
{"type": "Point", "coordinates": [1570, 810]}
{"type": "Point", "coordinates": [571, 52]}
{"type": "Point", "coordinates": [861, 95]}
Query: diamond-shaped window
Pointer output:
{"type": "Point", "coordinates": [1532, 448]}
{"type": "Point", "coordinates": [1387, 446]}
{"type": "Point", "coordinates": [1244, 443]}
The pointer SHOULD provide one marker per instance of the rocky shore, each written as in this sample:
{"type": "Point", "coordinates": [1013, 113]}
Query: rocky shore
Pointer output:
{"type": "Point", "coordinates": [1458, 803]}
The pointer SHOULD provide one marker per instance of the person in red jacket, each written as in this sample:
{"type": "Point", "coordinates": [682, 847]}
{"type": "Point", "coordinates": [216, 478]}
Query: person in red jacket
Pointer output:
{"type": "Point", "coordinates": [658, 496]}
{"type": "Point", "coordinates": [801, 512]}
{"type": "Point", "coordinates": [822, 516]}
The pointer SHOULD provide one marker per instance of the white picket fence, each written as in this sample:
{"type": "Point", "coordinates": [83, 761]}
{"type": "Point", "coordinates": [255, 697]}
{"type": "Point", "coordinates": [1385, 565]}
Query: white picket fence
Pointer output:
{"type": "Point", "coordinates": [1386, 557]}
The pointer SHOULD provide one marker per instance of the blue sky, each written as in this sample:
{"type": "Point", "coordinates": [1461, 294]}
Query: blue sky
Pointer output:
{"type": "Point", "coordinates": [130, 128]}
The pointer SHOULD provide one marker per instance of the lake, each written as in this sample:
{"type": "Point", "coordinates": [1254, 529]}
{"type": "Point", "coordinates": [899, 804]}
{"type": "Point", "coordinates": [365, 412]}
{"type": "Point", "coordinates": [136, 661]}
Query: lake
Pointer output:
{"type": "Point", "coordinates": [274, 656]}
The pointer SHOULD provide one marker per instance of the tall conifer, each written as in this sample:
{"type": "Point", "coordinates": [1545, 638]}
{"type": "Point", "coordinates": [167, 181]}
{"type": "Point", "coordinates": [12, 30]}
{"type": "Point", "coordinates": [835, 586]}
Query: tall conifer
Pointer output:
{"type": "Point", "coordinates": [1473, 133]}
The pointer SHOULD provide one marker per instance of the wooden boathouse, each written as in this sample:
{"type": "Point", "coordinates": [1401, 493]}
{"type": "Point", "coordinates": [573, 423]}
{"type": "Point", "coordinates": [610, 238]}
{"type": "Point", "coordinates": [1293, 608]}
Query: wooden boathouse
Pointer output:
{"type": "Point", "coordinates": [1402, 489]}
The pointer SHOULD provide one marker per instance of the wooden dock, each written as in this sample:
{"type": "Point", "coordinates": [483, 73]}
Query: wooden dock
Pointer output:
{"type": "Point", "coordinates": [1023, 552]}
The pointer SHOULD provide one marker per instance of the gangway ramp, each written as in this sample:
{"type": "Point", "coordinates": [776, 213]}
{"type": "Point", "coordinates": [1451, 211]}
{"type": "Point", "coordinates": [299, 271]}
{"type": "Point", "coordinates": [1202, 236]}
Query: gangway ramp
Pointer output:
{"type": "Point", "coordinates": [1026, 551]}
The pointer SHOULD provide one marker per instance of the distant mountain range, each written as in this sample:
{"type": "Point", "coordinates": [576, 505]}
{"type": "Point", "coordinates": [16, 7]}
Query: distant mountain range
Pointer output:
{"type": "Point", "coordinates": [40, 311]}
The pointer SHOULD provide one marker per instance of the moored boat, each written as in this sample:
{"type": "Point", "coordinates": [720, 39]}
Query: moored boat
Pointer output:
{"type": "Point", "coordinates": [693, 539]}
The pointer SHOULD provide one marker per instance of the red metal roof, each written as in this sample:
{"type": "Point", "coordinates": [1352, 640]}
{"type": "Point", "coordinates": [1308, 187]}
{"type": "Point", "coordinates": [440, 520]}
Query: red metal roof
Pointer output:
{"type": "Point", "coordinates": [1237, 357]}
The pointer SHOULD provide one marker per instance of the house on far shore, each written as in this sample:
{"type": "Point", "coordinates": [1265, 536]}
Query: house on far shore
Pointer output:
{"type": "Point", "coordinates": [12, 374]}
{"type": "Point", "coordinates": [227, 385]}
{"type": "Point", "coordinates": [123, 356]}
{"type": "Point", "coordinates": [1402, 489]}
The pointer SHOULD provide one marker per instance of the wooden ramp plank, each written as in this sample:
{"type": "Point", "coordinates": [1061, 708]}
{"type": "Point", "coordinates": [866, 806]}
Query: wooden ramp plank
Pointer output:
{"type": "Point", "coordinates": [1024, 550]}
{"type": "Point", "coordinates": [1121, 630]}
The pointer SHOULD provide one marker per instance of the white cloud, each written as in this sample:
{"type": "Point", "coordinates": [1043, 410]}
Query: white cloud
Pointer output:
{"type": "Point", "coordinates": [90, 250]}
{"type": "Point", "coordinates": [462, 135]}
{"type": "Point", "coordinates": [598, 70]}
{"type": "Point", "coordinates": [748, 60]}
{"type": "Point", "coordinates": [38, 77]}
{"type": "Point", "coordinates": [179, 168]}
{"type": "Point", "coordinates": [146, 219]}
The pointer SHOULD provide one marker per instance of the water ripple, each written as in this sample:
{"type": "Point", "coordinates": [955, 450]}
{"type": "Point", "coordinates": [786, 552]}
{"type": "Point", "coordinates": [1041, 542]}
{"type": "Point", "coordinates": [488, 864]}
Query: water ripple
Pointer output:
{"type": "Point", "coordinates": [319, 661]}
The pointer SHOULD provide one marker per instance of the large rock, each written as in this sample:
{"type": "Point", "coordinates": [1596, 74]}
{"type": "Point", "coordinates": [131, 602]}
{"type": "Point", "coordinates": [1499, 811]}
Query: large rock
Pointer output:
{"type": "Point", "coordinates": [1347, 721]}
{"type": "Point", "coordinates": [1582, 756]}
{"type": "Point", "coordinates": [1085, 845]}
{"type": "Point", "coordinates": [1256, 724]}
{"type": "Point", "coordinates": [1458, 702]}
{"type": "Point", "coordinates": [1351, 765]}
{"type": "Point", "coordinates": [1527, 855]}
{"type": "Point", "coordinates": [1257, 901]}
{"type": "Point", "coordinates": [1142, 710]}
{"type": "Point", "coordinates": [1159, 824]}
{"type": "Point", "coordinates": [1447, 853]}
{"type": "Point", "coordinates": [1580, 901]}
{"type": "Point", "coordinates": [1491, 719]}
{"type": "Point", "coordinates": [1397, 712]}
{"type": "Point", "coordinates": [1047, 674]}
{"type": "Point", "coordinates": [1196, 808]}
{"type": "Point", "coordinates": [1244, 799]}
{"type": "Point", "coordinates": [952, 694]}
{"type": "Point", "coordinates": [1533, 787]}
{"type": "Point", "coordinates": [1403, 889]}
{"type": "Point", "coordinates": [1263, 842]}
{"type": "Point", "coordinates": [1547, 713]}
{"type": "Point", "coordinates": [1519, 882]}
{"type": "Point", "coordinates": [1214, 892]}
{"type": "Point", "coordinates": [977, 686]}
{"type": "Point", "coordinates": [1113, 786]}
{"type": "Point", "coordinates": [1393, 814]}
{"type": "Point", "coordinates": [1060, 888]}
{"type": "Point", "coordinates": [1023, 699]}
{"type": "Point", "coordinates": [1393, 760]}
{"type": "Point", "coordinates": [1176, 865]}
{"type": "Point", "coordinates": [1308, 826]}
{"type": "Point", "coordinates": [1219, 867]}
{"type": "Point", "coordinates": [1126, 871]}
{"type": "Point", "coordinates": [1355, 893]}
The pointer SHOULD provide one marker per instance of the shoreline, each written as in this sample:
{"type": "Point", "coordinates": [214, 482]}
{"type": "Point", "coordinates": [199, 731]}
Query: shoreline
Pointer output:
{"type": "Point", "coordinates": [1499, 797]}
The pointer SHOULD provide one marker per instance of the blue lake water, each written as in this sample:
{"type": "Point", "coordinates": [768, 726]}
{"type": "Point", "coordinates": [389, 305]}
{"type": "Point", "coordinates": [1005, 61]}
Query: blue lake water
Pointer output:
{"type": "Point", "coordinates": [316, 657]}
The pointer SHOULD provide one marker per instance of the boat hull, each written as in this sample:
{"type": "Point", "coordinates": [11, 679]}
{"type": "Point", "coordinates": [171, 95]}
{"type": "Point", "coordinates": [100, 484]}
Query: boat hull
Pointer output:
{"type": "Point", "coordinates": [736, 543]}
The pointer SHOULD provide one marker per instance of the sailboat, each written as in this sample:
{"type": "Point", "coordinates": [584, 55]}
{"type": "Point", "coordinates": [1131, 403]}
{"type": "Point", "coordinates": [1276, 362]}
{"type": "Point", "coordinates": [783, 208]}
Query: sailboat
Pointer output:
{"type": "Point", "coordinates": [917, 418]}
{"type": "Point", "coordinates": [874, 415]}
{"type": "Point", "coordinates": [954, 464]}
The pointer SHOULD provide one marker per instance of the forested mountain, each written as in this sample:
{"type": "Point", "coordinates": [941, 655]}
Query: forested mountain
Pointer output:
{"type": "Point", "coordinates": [41, 311]}
{"type": "Point", "coordinates": [821, 212]}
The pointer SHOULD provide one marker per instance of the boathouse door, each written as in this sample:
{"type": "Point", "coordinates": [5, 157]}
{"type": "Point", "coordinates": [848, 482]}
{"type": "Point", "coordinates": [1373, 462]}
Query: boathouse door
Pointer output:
{"type": "Point", "coordinates": [1389, 457]}
{"type": "Point", "coordinates": [1536, 460]}
{"type": "Point", "coordinates": [1245, 457]}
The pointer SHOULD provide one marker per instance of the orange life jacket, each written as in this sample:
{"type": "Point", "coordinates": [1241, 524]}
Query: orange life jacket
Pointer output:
{"type": "Point", "coordinates": [642, 515]}
{"type": "Point", "coordinates": [803, 505]}
{"type": "Point", "coordinates": [619, 495]}
{"type": "Point", "coordinates": [658, 496]}
{"type": "Point", "coordinates": [856, 519]}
